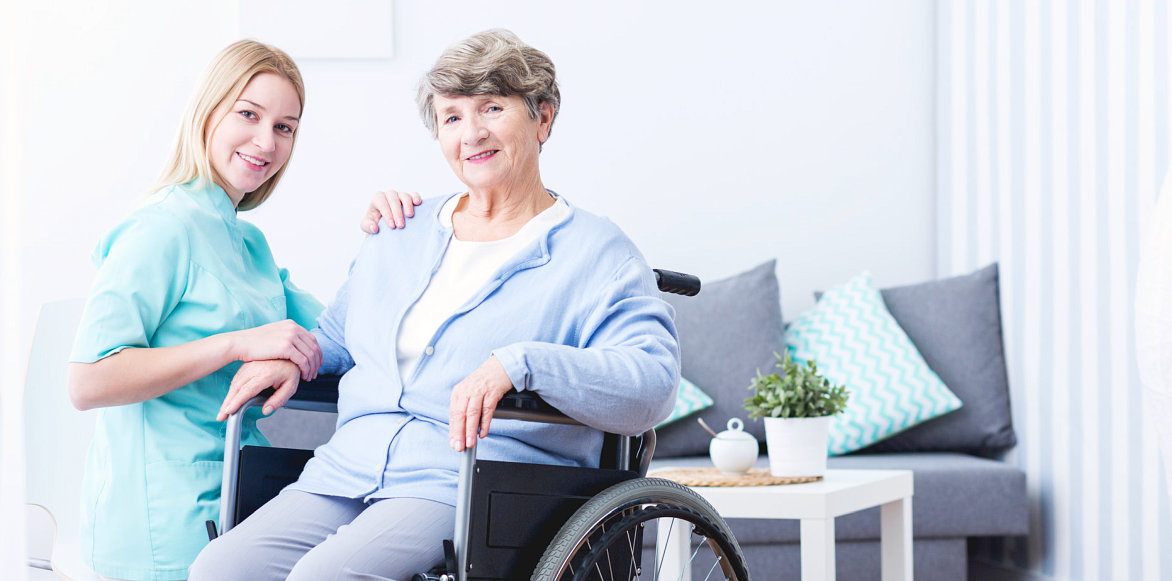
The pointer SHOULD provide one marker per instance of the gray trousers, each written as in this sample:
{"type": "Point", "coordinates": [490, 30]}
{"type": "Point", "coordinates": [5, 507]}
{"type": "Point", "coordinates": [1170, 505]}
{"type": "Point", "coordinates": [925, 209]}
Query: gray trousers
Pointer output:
{"type": "Point", "coordinates": [310, 537]}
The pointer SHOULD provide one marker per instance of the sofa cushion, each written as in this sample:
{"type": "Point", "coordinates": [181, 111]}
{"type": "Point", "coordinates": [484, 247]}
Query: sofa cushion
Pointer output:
{"type": "Point", "coordinates": [956, 495]}
{"type": "Point", "coordinates": [857, 343]}
{"type": "Point", "coordinates": [727, 332]}
{"type": "Point", "coordinates": [955, 323]}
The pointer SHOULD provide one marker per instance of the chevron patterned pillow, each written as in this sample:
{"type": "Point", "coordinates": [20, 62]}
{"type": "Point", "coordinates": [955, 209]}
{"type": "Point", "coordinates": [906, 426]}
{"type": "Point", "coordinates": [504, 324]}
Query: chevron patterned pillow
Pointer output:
{"type": "Point", "coordinates": [857, 343]}
{"type": "Point", "coordinates": [689, 400]}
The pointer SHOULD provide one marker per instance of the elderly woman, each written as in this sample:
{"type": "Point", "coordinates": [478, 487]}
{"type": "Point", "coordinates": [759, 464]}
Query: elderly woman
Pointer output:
{"type": "Point", "coordinates": [513, 288]}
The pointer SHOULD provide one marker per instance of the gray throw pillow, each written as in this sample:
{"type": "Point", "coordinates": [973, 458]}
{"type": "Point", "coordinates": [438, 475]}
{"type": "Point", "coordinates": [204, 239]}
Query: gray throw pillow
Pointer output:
{"type": "Point", "coordinates": [955, 323]}
{"type": "Point", "coordinates": [727, 332]}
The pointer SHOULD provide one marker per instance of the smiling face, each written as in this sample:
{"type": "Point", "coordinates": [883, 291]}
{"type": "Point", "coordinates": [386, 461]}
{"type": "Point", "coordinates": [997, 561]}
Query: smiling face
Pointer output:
{"type": "Point", "coordinates": [489, 141]}
{"type": "Point", "coordinates": [253, 137]}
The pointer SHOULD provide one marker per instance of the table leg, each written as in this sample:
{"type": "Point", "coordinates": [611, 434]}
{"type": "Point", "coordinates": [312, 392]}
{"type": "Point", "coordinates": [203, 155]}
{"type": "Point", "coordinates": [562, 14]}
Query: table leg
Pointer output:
{"type": "Point", "coordinates": [672, 548]}
{"type": "Point", "coordinates": [818, 549]}
{"type": "Point", "coordinates": [895, 540]}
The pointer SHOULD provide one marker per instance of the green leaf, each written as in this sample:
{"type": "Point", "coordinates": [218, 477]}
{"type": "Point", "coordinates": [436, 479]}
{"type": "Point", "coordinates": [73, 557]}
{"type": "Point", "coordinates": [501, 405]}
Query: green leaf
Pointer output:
{"type": "Point", "coordinates": [798, 392]}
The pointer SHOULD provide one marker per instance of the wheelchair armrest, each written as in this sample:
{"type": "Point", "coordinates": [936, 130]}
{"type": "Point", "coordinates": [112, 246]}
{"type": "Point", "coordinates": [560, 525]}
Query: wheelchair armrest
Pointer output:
{"type": "Point", "coordinates": [528, 406]}
{"type": "Point", "coordinates": [319, 395]}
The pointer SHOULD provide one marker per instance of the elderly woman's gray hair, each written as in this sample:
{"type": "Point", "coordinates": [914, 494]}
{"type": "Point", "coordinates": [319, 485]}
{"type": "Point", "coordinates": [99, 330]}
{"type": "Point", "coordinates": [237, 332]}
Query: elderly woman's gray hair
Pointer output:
{"type": "Point", "coordinates": [493, 62]}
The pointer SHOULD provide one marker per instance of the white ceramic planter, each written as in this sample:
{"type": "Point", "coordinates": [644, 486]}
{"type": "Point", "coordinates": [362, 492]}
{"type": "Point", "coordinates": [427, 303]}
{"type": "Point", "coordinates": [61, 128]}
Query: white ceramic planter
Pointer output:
{"type": "Point", "coordinates": [797, 446]}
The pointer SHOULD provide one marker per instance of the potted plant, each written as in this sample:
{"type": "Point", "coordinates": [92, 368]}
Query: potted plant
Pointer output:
{"type": "Point", "coordinates": [797, 405]}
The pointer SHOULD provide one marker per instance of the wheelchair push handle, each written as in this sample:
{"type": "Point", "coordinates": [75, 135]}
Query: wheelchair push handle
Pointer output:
{"type": "Point", "coordinates": [678, 283]}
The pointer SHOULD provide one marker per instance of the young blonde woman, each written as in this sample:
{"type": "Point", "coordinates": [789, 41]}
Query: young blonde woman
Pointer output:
{"type": "Point", "coordinates": [184, 292]}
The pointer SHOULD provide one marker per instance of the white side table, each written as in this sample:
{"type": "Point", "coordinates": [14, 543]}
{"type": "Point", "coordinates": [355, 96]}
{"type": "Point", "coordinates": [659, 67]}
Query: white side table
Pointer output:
{"type": "Point", "coordinates": [816, 504]}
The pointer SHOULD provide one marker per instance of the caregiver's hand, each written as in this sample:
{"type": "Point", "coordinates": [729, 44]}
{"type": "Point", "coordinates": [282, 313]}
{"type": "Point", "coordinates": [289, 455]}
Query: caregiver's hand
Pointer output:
{"type": "Point", "coordinates": [393, 206]}
{"type": "Point", "coordinates": [473, 401]}
{"type": "Point", "coordinates": [256, 376]}
{"type": "Point", "coordinates": [281, 340]}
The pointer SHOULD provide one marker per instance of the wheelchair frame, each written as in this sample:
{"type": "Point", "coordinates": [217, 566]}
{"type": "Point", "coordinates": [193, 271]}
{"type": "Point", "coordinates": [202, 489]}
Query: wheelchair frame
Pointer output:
{"type": "Point", "coordinates": [322, 394]}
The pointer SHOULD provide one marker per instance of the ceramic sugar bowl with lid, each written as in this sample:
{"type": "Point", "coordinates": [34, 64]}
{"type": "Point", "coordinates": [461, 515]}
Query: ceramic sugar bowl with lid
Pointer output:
{"type": "Point", "coordinates": [734, 450]}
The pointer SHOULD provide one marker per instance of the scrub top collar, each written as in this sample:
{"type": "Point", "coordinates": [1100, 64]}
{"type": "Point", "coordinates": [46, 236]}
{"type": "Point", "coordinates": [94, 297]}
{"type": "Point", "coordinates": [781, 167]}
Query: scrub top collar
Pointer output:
{"type": "Point", "coordinates": [214, 198]}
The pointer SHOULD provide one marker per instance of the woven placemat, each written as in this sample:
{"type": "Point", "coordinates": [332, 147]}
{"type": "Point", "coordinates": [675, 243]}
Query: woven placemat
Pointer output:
{"type": "Point", "coordinates": [714, 477]}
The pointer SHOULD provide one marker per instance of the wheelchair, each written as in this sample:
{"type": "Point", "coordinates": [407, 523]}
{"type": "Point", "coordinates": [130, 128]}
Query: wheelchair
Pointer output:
{"type": "Point", "coordinates": [531, 521]}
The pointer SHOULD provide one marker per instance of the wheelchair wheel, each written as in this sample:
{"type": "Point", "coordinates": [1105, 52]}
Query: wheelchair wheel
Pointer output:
{"type": "Point", "coordinates": [603, 541]}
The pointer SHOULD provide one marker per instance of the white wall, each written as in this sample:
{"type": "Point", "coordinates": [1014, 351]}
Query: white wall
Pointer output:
{"type": "Point", "coordinates": [717, 135]}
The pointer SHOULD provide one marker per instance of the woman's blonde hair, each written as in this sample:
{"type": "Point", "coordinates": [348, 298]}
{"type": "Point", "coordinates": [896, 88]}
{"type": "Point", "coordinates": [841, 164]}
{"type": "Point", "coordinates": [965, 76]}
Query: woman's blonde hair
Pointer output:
{"type": "Point", "coordinates": [493, 62]}
{"type": "Point", "coordinates": [221, 86]}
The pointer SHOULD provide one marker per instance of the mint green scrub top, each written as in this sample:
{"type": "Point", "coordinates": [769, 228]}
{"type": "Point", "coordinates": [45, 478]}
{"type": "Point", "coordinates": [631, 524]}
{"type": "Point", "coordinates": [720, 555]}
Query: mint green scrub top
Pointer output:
{"type": "Point", "coordinates": [180, 268]}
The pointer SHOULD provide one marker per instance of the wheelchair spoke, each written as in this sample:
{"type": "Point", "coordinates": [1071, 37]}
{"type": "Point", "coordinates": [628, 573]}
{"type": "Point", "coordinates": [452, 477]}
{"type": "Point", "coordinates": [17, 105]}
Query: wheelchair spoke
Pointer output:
{"type": "Point", "coordinates": [597, 565]}
{"type": "Point", "coordinates": [633, 546]}
{"type": "Point", "coordinates": [715, 564]}
{"type": "Point", "coordinates": [631, 555]}
{"type": "Point", "coordinates": [610, 564]}
{"type": "Point", "coordinates": [610, 567]}
{"type": "Point", "coordinates": [690, 560]}
{"type": "Point", "coordinates": [659, 565]}
{"type": "Point", "coordinates": [591, 548]}
{"type": "Point", "coordinates": [613, 527]}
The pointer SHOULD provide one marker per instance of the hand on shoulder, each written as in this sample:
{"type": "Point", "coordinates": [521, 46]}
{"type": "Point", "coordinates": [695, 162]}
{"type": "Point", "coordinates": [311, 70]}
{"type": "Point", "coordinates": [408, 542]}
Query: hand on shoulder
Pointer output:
{"type": "Point", "coordinates": [393, 207]}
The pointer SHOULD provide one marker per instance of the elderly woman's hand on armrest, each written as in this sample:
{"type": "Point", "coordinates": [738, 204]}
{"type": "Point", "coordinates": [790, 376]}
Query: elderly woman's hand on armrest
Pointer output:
{"type": "Point", "coordinates": [474, 400]}
{"type": "Point", "coordinates": [256, 376]}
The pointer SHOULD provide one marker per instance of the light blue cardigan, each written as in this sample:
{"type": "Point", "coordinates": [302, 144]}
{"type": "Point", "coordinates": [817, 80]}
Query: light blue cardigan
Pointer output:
{"type": "Point", "coordinates": [574, 317]}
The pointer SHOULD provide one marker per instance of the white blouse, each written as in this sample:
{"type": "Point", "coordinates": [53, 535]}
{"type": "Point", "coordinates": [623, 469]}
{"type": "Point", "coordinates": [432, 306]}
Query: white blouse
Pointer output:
{"type": "Point", "coordinates": [464, 269]}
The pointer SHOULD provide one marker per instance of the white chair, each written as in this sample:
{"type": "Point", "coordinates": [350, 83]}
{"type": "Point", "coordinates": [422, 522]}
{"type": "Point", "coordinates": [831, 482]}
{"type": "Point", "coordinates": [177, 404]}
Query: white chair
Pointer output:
{"type": "Point", "coordinates": [56, 437]}
{"type": "Point", "coordinates": [42, 533]}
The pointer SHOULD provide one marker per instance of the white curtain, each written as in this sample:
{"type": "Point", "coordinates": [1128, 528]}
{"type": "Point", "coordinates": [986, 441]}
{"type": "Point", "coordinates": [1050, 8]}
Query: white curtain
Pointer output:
{"type": "Point", "coordinates": [1053, 137]}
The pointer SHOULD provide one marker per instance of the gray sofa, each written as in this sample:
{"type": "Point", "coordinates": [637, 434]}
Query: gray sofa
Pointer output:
{"type": "Point", "coordinates": [734, 326]}
{"type": "Point", "coordinates": [962, 490]}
